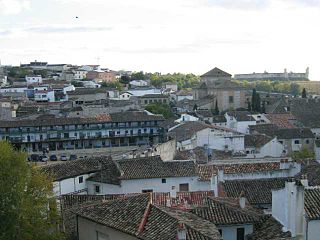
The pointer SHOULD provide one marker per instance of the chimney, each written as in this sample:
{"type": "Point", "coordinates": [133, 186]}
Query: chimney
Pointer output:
{"type": "Point", "coordinates": [242, 200]}
{"type": "Point", "coordinates": [220, 175]}
{"type": "Point", "coordinates": [173, 192]}
{"type": "Point", "coordinates": [168, 202]}
{"type": "Point", "coordinates": [182, 232]}
{"type": "Point", "coordinates": [304, 180]}
{"type": "Point", "coordinates": [284, 163]}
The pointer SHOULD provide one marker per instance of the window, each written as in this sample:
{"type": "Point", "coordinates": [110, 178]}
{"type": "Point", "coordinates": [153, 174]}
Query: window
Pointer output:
{"type": "Point", "coordinates": [281, 142]}
{"type": "Point", "coordinates": [230, 99]}
{"type": "Point", "coordinates": [163, 180]}
{"type": "Point", "coordinates": [97, 188]}
{"type": "Point", "coordinates": [296, 142]}
{"type": "Point", "coordinates": [147, 190]}
{"type": "Point", "coordinates": [102, 236]}
{"type": "Point", "coordinates": [307, 141]}
{"type": "Point", "coordinates": [240, 233]}
{"type": "Point", "coordinates": [81, 179]}
{"type": "Point", "coordinates": [184, 187]}
{"type": "Point", "coordinates": [220, 231]}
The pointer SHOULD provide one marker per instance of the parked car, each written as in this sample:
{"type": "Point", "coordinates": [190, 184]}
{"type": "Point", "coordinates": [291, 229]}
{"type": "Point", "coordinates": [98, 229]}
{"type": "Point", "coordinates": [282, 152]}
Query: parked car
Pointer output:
{"type": "Point", "coordinates": [34, 158]}
{"type": "Point", "coordinates": [73, 157]}
{"type": "Point", "coordinates": [43, 158]}
{"type": "Point", "coordinates": [63, 158]}
{"type": "Point", "coordinates": [53, 157]}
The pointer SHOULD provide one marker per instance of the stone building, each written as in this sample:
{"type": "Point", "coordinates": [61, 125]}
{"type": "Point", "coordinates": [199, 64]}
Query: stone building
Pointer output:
{"type": "Point", "coordinates": [217, 83]}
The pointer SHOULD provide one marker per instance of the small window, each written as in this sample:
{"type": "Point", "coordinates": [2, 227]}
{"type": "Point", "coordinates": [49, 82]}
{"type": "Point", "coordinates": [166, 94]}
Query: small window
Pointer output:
{"type": "Point", "coordinates": [230, 99]}
{"type": "Point", "coordinates": [81, 179]}
{"type": "Point", "coordinates": [163, 180]}
{"type": "Point", "coordinates": [102, 236]}
{"type": "Point", "coordinates": [220, 231]}
{"type": "Point", "coordinates": [147, 190]}
{"type": "Point", "coordinates": [307, 141]}
{"type": "Point", "coordinates": [240, 233]}
{"type": "Point", "coordinates": [296, 141]}
{"type": "Point", "coordinates": [281, 142]}
{"type": "Point", "coordinates": [184, 187]}
{"type": "Point", "coordinates": [97, 188]}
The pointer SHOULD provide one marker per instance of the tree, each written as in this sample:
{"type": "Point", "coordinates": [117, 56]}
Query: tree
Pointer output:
{"type": "Point", "coordinates": [138, 76]}
{"type": "Point", "coordinates": [303, 154]}
{"type": "Point", "coordinates": [294, 89]}
{"type": "Point", "coordinates": [258, 103]}
{"type": "Point", "coordinates": [27, 206]}
{"type": "Point", "coordinates": [263, 108]}
{"type": "Point", "coordinates": [249, 106]}
{"type": "Point", "coordinates": [216, 108]}
{"type": "Point", "coordinates": [304, 93]}
{"type": "Point", "coordinates": [195, 107]}
{"type": "Point", "coordinates": [255, 101]}
{"type": "Point", "coordinates": [160, 108]}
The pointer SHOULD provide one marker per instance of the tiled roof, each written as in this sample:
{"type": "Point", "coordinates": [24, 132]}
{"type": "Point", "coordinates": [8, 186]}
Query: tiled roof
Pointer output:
{"type": "Point", "coordinates": [312, 172]}
{"type": "Point", "coordinates": [290, 133]}
{"type": "Point", "coordinates": [241, 115]}
{"type": "Point", "coordinates": [204, 113]}
{"type": "Point", "coordinates": [307, 111]}
{"type": "Point", "coordinates": [268, 129]}
{"type": "Point", "coordinates": [219, 119]}
{"type": "Point", "coordinates": [257, 191]}
{"type": "Point", "coordinates": [256, 140]}
{"type": "Point", "coordinates": [122, 214]}
{"type": "Point", "coordinates": [226, 211]}
{"type": "Point", "coordinates": [162, 223]}
{"type": "Point", "coordinates": [312, 203]}
{"type": "Point", "coordinates": [205, 171]}
{"type": "Point", "coordinates": [186, 130]}
{"type": "Point", "coordinates": [216, 72]}
{"type": "Point", "coordinates": [283, 120]}
{"type": "Point", "coordinates": [269, 229]}
{"type": "Point", "coordinates": [85, 91]}
{"type": "Point", "coordinates": [154, 96]}
{"type": "Point", "coordinates": [60, 171]}
{"type": "Point", "coordinates": [137, 216]}
{"type": "Point", "coordinates": [154, 167]}
{"type": "Point", "coordinates": [129, 116]}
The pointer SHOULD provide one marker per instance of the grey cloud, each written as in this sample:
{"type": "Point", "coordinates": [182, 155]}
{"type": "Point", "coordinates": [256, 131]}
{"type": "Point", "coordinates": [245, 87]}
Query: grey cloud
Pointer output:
{"type": "Point", "coordinates": [51, 29]}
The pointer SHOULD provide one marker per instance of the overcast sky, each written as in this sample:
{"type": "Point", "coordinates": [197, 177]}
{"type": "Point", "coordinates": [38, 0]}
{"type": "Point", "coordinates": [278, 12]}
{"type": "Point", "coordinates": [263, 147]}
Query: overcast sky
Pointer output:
{"type": "Point", "coordinates": [238, 36]}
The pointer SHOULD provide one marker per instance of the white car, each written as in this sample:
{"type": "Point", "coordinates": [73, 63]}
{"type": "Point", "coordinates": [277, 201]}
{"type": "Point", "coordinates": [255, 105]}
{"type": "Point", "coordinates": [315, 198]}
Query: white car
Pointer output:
{"type": "Point", "coordinates": [63, 158]}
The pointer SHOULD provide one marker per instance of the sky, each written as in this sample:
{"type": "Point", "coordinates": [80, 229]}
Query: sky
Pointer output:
{"type": "Point", "coordinates": [190, 36]}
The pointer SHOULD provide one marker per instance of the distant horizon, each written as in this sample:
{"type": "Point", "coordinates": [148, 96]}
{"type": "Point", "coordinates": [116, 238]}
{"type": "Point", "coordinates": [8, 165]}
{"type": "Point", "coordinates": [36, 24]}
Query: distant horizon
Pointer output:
{"type": "Point", "coordinates": [187, 36]}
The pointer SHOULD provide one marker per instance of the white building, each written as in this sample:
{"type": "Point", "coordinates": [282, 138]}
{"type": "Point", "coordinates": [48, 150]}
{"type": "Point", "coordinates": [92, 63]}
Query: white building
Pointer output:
{"type": "Point", "coordinates": [186, 118]}
{"type": "Point", "coordinates": [239, 121]}
{"type": "Point", "coordinates": [296, 207]}
{"type": "Point", "coordinates": [260, 146]}
{"type": "Point", "coordinates": [125, 95]}
{"type": "Point", "coordinates": [138, 83]}
{"type": "Point", "coordinates": [33, 79]}
{"type": "Point", "coordinates": [44, 96]}
{"type": "Point", "coordinates": [90, 84]}
{"type": "Point", "coordinates": [3, 80]}
{"type": "Point", "coordinates": [80, 74]}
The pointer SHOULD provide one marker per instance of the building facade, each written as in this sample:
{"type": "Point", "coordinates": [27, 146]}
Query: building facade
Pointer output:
{"type": "Point", "coordinates": [118, 129]}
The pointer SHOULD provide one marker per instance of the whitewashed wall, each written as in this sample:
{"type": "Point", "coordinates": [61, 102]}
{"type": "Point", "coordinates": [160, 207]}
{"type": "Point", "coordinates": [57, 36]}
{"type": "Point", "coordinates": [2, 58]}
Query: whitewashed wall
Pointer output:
{"type": "Point", "coordinates": [230, 232]}
{"type": "Point", "coordinates": [314, 230]}
{"type": "Point", "coordinates": [154, 184]}
{"type": "Point", "coordinates": [70, 185]}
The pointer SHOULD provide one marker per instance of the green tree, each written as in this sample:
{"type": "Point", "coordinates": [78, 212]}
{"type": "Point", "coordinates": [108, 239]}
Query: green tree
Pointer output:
{"type": "Point", "coordinates": [138, 76]}
{"type": "Point", "coordinates": [263, 107]}
{"type": "Point", "coordinates": [303, 154]}
{"type": "Point", "coordinates": [216, 108]}
{"type": "Point", "coordinates": [116, 85]}
{"type": "Point", "coordinates": [304, 93]}
{"type": "Point", "coordinates": [27, 206]}
{"type": "Point", "coordinates": [294, 89]}
{"type": "Point", "coordinates": [160, 108]}
{"type": "Point", "coordinates": [77, 84]}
